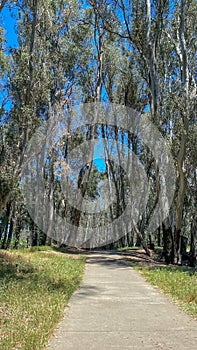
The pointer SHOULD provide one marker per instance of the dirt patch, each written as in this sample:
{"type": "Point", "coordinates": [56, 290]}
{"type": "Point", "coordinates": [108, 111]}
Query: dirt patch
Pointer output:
{"type": "Point", "coordinates": [143, 259]}
{"type": "Point", "coordinates": [130, 255]}
{"type": "Point", "coordinates": [139, 256]}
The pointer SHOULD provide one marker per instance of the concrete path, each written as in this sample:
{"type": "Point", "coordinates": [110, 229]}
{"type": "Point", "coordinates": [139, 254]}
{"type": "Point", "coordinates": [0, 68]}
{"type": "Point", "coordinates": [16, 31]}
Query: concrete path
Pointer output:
{"type": "Point", "coordinates": [115, 309]}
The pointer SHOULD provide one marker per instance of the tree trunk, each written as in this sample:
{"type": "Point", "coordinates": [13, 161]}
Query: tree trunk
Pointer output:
{"type": "Point", "coordinates": [4, 201]}
{"type": "Point", "coordinates": [185, 117]}
{"type": "Point", "coordinates": [193, 242]}
{"type": "Point", "coordinates": [159, 236]}
{"type": "Point", "coordinates": [168, 244]}
{"type": "Point", "coordinates": [34, 236]}
{"type": "Point", "coordinates": [5, 230]}
{"type": "Point", "coordinates": [17, 232]}
{"type": "Point", "coordinates": [143, 243]}
{"type": "Point", "coordinates": [10, 232]}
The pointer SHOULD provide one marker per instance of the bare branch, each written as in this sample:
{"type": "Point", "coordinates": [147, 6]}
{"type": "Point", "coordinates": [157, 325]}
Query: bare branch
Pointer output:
{"type": "Point", "coordinates": [2, 4]}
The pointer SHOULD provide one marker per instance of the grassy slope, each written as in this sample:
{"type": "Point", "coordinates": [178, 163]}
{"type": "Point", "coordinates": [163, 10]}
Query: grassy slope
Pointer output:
{"type": "Point", "coordinates": [34, 290]}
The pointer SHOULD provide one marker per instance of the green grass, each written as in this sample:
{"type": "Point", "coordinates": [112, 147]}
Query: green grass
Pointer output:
{"type": "Point", "coordinates": [128, 248]}
{"type": "Point", "coordinates": [35, 249]}
{"type": "Point", "coordinates": [34, 290]}
{"type": "Point", "coordinates": [180, 283]}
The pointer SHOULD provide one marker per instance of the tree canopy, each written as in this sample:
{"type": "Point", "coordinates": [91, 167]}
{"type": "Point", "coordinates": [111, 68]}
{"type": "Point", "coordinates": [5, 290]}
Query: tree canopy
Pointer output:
{"type": "Point", "coordinates": [137, 54]}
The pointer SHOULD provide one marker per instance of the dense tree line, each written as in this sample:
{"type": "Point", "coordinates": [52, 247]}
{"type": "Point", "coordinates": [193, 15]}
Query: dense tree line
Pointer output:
{"type": "Point", "coordinates": [138, 54]}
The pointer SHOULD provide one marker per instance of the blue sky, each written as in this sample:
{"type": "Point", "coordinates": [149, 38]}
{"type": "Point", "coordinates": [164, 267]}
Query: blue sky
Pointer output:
{"type": "Point", "coordinates": [8, 23]}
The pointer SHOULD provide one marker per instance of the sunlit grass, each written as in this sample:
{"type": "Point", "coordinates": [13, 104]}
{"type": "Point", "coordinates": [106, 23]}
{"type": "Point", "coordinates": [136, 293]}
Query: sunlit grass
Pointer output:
{"type": "Point", "coordinates": [34, 290]}
{"type": "Point", "coordinates": [180, 283]}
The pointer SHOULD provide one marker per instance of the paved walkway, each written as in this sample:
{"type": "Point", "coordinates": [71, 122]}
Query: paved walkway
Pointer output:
{"type": "Point", "coordinates": [115, 309]}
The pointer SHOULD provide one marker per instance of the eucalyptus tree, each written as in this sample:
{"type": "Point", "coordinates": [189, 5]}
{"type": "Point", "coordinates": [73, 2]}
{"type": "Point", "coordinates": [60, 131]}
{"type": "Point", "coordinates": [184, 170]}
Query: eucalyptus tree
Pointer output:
{"type": "Point", "coordinates": [179, 102]}
{"type": "Point", "coordinates": [141, 54]}
{"type": "Point", "coordinates": [42, 74]}
{"type": "Point", "coordinates": [160, 38]}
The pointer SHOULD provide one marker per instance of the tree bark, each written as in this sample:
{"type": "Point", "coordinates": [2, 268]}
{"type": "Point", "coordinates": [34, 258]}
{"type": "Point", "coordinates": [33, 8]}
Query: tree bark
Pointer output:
{"type": "Point", "coordinates": [167, 244]}
{"type": "Point", "coordinates": [184, 136]}
{"type": "Point", "coordinates": [193, 242]}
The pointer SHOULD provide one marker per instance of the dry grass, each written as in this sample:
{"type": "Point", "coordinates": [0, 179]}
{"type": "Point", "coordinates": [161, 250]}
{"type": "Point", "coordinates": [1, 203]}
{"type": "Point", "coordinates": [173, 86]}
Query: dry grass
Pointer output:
{"type": "Point", "coordinates": [34, 290]}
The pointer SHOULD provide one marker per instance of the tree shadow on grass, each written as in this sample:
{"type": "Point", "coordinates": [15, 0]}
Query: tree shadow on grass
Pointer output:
{"type": "Point", "coordinates": [140, 261]}
{"type": "Point", "coordinates": [13, 267]}
{"type": "Point", "coordinates": [191, 271]}
{"type": "Point", "coordinates": [16, 268]}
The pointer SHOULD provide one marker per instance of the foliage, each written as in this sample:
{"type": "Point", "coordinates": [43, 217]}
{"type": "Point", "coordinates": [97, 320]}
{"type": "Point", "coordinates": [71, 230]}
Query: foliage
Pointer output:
{"type": "Point", "coordinates": [140, 54]}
